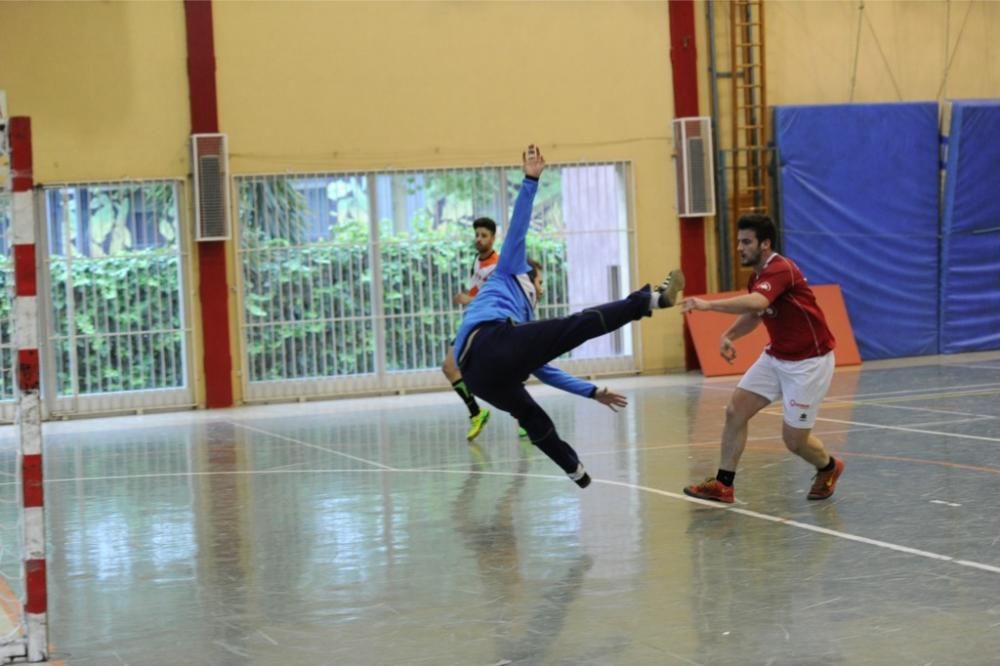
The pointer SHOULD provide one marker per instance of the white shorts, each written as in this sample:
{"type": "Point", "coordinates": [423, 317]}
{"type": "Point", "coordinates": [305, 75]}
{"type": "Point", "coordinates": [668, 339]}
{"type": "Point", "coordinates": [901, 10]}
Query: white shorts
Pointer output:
{"type": "Point", "coordinates": [801, 384]}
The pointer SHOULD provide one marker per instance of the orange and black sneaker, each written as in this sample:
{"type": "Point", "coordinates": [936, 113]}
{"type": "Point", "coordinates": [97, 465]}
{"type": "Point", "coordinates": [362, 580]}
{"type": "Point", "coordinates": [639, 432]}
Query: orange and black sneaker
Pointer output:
{"type": "Point", "coordinates": [711, 489]}
{"type": "Point", "coordinates": [825, 482]}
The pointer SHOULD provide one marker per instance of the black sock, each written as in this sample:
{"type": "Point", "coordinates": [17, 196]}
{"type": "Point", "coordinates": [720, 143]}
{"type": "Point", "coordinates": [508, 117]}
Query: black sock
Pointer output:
{"type": "Point", "coordinates": [463, 392]}
{"type": "Point", "coordinates": [829, 467]}
{"type": "Point", "coordinates": [725, 477]}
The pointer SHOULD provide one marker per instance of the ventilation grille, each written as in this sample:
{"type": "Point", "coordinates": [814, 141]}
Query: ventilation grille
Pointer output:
{"type": "Point", "coordinates": [695, 167]}
{"type": "Point", "coordinates": [211, 186]}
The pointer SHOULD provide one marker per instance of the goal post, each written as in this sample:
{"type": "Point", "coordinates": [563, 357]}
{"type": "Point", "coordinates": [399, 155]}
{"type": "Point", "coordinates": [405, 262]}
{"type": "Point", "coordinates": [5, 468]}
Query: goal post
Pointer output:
{"type": "Point", "coordinates": [28, 638]}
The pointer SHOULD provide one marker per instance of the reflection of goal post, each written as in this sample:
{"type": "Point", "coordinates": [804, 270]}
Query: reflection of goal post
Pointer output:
{"type": "Point", "coordinates": [27, 635]}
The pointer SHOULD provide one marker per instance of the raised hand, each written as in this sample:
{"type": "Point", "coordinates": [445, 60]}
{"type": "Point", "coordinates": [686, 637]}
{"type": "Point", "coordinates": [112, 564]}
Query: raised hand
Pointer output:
{"type": "Point", "coordinates": [533, 161]}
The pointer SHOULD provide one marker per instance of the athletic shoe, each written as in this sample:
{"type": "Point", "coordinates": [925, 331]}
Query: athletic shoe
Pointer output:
{"type": "Point", "coordinates": [522, 433]}
{"type": "Point", "coordinates": [711, 489]}
{"type": "Point", "coordinates": [580, 476]}
{"type": "Point", "coordinates": [476, 424]}
{"type": "Point", "coordinates": [670, 287]}
{"type": "Point", "coordinates": [825, 482]}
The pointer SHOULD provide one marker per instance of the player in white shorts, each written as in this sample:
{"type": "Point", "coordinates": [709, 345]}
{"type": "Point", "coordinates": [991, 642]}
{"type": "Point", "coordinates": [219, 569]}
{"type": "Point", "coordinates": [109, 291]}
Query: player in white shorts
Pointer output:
{"type": "Point", "coordinates": [797, 366]}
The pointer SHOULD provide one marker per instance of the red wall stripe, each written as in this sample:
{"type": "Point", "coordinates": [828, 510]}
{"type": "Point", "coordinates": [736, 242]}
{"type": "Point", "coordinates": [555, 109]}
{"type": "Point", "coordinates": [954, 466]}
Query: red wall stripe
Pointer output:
{"type": "Point", "coordinates": [214, 295]}
{"type": "Point", "coordinates": [684, 64]}
{"type": "Point", "coordinates": [201, 66]}
{"type": "Point", "coordinates": [213, 289]}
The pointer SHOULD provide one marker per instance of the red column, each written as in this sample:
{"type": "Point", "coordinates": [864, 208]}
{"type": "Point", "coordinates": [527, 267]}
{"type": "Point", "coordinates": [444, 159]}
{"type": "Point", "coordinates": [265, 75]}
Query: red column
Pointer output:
{"type": "Point", "coordinates": [213, 288]}
{"type": "Point", "coordinates": [684, 64]}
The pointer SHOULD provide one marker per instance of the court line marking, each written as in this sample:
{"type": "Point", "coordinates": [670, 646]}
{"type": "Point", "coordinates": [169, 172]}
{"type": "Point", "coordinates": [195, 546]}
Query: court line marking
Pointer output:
{"type": "Point", "coordinates": [887, 398]}
{"type": "Point", "coordinates": [634, 486]}
{"type": "Point", "coordinates": [655, 447]}
{"type": "Point", "coordinates": [939, 433]}
{"type": "Point", "coordinates": [806, 526]}
{"type": "Point", "coordinates": [916, 391]}
{"type": "Point", "coordinates": [611, 482]}
{"type": "Point", "coordinates": [840, 404]}
{"type": "Point", "coordinates": [286, 438]}
{"type": "Point", "coordinates": [921, 424]}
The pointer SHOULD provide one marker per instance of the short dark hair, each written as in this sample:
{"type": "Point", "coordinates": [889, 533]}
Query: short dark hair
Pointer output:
{"type": "Point", "coordinates": [485, 223]}
{"type": "Point", "coordinates": [762, 225]}
{"type": "Point", "coordinates": [536, 268]}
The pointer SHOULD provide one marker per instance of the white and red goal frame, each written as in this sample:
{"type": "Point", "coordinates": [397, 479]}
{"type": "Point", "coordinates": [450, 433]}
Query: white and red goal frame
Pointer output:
{"type": "Point", "coordinates": [32, 641]}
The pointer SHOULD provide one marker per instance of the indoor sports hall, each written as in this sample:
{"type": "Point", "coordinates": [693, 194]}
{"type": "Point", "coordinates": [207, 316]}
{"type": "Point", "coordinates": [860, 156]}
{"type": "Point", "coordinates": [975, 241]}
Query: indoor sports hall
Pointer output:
{"type": "Point", "coordinates": [237, 245]}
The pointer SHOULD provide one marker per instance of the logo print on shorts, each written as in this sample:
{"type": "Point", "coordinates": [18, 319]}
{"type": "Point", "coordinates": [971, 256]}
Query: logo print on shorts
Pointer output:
{"type": "Point", "coordinates": [764, 286]}
{"type": "Point", "coordinates": [802, 417]}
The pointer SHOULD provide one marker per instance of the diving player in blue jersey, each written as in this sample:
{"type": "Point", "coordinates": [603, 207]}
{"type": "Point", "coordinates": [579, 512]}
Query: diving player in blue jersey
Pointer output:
{"type": "Point", "coordinates": [498, 344]}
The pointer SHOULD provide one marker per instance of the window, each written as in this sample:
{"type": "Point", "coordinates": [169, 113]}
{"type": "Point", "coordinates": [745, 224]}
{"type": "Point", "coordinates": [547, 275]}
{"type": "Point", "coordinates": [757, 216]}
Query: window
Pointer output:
{"type": "Point", "coordinates": [351, 274]}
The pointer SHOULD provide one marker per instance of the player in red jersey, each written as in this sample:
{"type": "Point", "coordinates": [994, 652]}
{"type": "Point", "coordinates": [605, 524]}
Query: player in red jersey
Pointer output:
{"type": "Point", "coordinates": [796, 366]}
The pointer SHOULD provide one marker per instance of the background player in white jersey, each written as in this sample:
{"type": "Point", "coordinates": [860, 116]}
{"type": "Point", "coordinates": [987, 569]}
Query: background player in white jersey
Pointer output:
{"type": "Point", "coordinates": [482, 267]}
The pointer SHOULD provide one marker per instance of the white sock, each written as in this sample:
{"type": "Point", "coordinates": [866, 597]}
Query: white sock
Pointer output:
{"type": "Point", "coordinates": [578, 474]}
{"type": "Point", "coordinates": [654, 300]}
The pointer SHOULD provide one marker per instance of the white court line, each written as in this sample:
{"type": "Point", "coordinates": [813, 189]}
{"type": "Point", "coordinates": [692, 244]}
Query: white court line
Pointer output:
{"type": "Point", "coordinates": [608, 482]}
{"type": "Point", "coordinates": [806, 526]}
{"type": "Point", "coordinates": [655, 447]}
{"type": "Point", "coordinates": [917, 391]}
{"type": "Point", "coordinates": [833, 402]}
{"type": "Point", "coordinates": [851, 403]}
{"type": "Point", "coordinates": [939, 433]}
{"type": "Point", "coordinates": [303, 443]}
{"type": "Point", "coordinates": [922, 424]}
{"type": "Point", "coordinates": [237, 472]}
{"type": "Point", "coordinates": [972, 419]}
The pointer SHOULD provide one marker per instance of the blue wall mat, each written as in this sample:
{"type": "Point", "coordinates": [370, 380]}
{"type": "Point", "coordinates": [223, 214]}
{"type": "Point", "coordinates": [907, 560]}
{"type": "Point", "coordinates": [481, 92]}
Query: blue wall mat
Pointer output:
{"type": "Point", "coordinates": [970, 273]}
{"type": "Point", "coordinates": [859, 197]}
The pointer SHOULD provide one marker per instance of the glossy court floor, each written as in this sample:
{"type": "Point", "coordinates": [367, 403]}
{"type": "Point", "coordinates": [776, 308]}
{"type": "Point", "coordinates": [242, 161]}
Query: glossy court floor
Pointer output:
{"type": "Point", "coordinates": [369, 532]}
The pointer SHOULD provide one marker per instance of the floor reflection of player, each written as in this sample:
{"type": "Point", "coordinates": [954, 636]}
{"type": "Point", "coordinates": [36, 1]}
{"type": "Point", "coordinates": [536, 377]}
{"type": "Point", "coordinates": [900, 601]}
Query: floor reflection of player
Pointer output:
{"type": "Point", "coordinates": [741, 587]}
{"type": "Point", "coordinates": [495, 545]}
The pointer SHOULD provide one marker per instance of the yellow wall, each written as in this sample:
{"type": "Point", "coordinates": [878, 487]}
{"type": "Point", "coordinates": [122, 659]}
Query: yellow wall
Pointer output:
{"type": "Point", "coordinates": [338, 86]}
{"type": "Point", "coordinates": [105, 85]}
{"type": "Point", "coordinates": [903, 53]}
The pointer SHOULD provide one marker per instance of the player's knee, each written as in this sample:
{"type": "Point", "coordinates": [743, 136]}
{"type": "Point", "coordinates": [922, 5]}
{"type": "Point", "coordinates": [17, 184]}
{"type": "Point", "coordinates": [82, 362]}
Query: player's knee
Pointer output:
{"type": "Point", "coordinates": [794, 439]}
{"type": "Point", "coordinates": [735, 415]}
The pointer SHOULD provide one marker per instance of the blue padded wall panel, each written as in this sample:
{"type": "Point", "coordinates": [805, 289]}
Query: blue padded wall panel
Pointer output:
{"type": "Point", "coordinates": [970, 272]}
{"type": "Point", "coordinates": [859, 199]}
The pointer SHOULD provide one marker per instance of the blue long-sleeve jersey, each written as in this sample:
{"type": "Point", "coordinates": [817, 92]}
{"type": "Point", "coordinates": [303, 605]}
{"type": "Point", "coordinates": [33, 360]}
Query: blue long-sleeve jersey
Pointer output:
{"type": "Point", "coordinates": [503, 297]}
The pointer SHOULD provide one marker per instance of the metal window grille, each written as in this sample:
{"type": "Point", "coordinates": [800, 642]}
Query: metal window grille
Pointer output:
{"type": "Point", "coordinates": [116, 317]}
{"type": "Point", "coordinates": [348, 279]}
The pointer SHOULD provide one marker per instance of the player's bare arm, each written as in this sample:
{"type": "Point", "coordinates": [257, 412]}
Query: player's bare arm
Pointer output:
{"type": "Point", "coordinates": [746, 304]}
